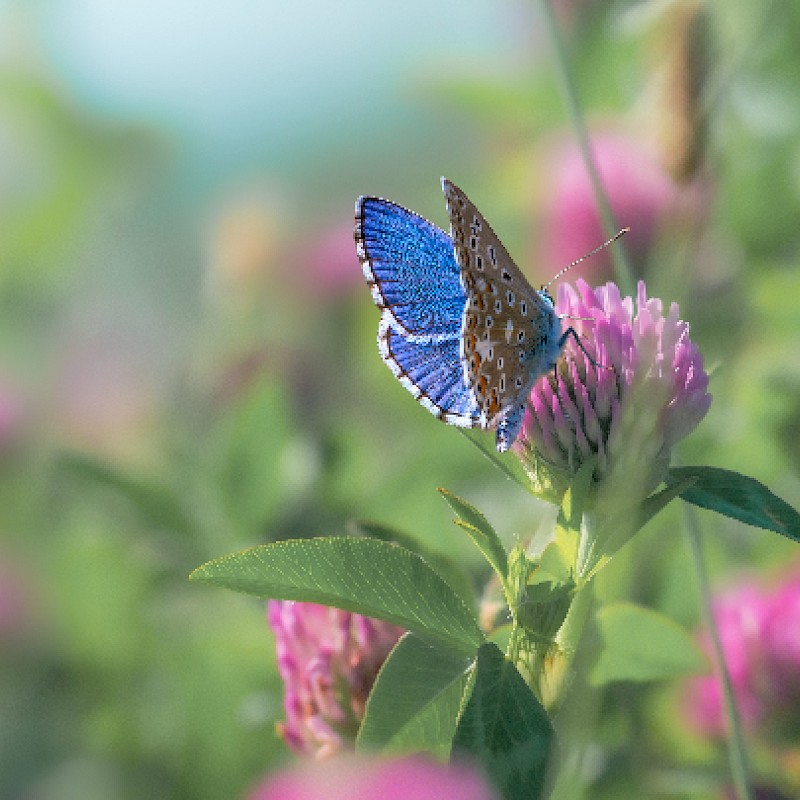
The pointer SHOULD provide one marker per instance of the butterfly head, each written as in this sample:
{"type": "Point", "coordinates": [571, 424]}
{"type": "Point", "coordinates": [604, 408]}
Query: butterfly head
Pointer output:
{"type": "Point", "coordinates": [546, 296]}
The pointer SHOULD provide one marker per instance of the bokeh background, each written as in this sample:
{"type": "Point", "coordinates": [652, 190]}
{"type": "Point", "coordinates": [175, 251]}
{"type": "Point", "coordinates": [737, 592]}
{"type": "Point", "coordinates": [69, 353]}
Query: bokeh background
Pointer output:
{"type": "Point", "coordinates": [187, 350]}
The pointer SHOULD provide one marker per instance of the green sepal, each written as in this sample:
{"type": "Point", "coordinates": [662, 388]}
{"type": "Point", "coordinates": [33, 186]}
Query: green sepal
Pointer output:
{"type": "Point", "coordinates": [577, 498]}
{"type": "Point", "coordinates": [480, 531]}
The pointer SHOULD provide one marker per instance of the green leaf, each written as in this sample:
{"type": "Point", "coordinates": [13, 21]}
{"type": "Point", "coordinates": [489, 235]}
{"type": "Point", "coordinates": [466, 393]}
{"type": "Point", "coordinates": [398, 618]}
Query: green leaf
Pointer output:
{"type": "Point", "coordinates": [415, 702]}
{"type": "Point", "coordinates": [449, 569]}
{"type": "Point", "coordinates": [480, 531]}
{"type": "Point", "coordinates": [738, 497]}
{"type": "Point", "coordinates": [643, 645]}
{"type": "Point", "coordinates": [505, 728]}
{"type": "Point", "coordinates": [372, 578]}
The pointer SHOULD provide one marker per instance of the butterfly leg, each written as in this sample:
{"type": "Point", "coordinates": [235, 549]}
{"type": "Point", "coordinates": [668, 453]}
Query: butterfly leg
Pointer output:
{"type": "Point", "coordinates": [574, 334]}
{"type": "Point", "coordinates": [508, 427]}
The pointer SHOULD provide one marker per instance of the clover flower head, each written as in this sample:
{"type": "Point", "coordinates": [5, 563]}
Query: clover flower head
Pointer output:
{"type": "Point", "coordinates": [625, 396]}
{"type": "Point", "coordinates": [328, 660]}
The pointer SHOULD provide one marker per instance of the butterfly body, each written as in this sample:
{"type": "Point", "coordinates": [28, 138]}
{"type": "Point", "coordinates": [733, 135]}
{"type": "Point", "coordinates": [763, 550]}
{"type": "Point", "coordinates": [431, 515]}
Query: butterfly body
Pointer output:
{"type": "Point", "coordinates": [461, 327]}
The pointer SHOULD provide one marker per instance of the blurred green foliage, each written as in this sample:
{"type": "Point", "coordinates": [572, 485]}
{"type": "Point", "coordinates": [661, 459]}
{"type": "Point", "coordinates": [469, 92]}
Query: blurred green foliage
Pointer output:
{"type": "Point", "coordinates": [186, 377]}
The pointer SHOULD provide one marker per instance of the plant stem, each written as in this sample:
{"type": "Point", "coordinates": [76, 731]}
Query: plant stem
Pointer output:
{"type": "Point", "coordinates": [619, 258]}
{"type": "Point", "coordinates": [569, 635]}
{"type": "Point", "coordinates": [554, 669]}
{"type": "Point", "coordinates": [557, 667]}
{"type": "Point", "coordinates": [737, 754]}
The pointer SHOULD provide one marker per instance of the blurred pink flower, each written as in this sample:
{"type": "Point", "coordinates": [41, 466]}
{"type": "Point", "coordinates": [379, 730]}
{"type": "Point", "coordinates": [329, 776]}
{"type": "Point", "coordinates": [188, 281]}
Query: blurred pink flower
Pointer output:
{"type": "Point", "coordinates": [350, 778]}
{"type": "Point", "coordinates": [782, 641]}
{"type": "Point", "coordinates": [329, 263]}
{"type": "Point", "coordinates": [761, 645]}
{"type": "Point", "coordinates": [740, 617]}
{"type": "Point", "coordinates": [646, 390]}
{"type": "Point", "coordinates": [642, 196]}
{"type": "Point", "coordinates": [328, 660]}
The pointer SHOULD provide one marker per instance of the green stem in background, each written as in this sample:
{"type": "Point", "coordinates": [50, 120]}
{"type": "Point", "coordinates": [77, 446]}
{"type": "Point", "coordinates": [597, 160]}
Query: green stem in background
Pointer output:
{"type": "Point", "coordinates": [619, 257]}
{"type": "Point", "coordinates": [737, 754]}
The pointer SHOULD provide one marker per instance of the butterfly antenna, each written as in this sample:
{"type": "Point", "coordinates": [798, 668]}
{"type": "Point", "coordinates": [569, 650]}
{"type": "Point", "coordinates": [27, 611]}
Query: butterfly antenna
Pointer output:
{"type": "Point", "coordinates": [603, 246]}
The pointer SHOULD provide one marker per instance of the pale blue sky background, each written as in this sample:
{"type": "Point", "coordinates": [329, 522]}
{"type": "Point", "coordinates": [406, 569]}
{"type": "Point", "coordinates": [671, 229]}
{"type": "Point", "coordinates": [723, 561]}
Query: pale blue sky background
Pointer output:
{"type": "Point", "coordinates": [245, 82]}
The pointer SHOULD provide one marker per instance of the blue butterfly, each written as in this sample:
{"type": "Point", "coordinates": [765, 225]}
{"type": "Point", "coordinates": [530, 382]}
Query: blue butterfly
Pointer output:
{"type": "Point", "coordinates": [461, 328]}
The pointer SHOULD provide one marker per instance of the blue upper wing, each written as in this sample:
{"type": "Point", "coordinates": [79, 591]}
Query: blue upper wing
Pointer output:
{"type": "Point", "coordinates": [411, 269]}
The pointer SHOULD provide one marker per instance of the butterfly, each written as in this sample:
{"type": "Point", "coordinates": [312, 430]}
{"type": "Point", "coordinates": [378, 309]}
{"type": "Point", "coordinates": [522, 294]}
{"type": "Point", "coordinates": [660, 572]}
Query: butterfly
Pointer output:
{"type": "Point", "coordinates": [461, 328]}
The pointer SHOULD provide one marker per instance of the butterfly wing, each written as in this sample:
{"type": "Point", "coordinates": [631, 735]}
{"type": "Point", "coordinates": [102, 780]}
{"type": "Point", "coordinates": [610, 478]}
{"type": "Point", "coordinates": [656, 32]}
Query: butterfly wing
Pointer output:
{"type": "Point", "coordinates": [410, 267]}
{"type": "Point", "coordinates": [432, 372]}
{"type": "Point", "coordinates": [510, 332]}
